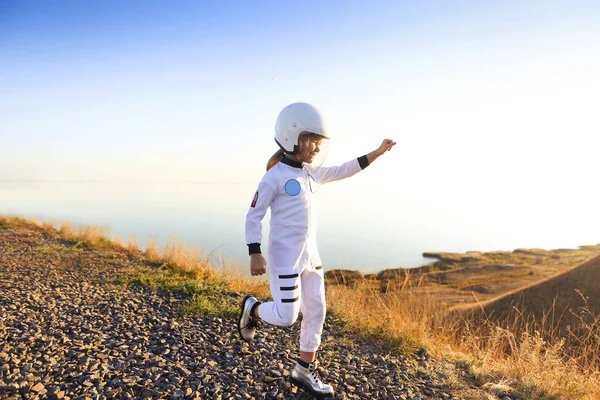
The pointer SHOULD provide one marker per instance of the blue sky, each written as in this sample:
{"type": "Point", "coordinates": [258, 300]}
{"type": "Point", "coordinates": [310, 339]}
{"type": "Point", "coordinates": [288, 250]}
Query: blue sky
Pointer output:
{"type": "Point", "coordinates": [493, 104]}
{"type": "Point", "coordinates": [110, 82]}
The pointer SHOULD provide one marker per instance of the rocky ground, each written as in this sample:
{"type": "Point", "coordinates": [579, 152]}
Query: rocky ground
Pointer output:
{"type": "Point", "coordinates": [68, 331]}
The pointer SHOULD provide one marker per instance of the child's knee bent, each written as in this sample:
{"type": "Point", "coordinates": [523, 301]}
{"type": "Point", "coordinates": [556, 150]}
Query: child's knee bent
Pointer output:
{"type": "Point", "coordinates": [288, 315]}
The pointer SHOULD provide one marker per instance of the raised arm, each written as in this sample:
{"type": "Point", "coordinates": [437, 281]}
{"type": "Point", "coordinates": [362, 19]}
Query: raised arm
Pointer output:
{"type": "Point", "coordinates": [346, 170]}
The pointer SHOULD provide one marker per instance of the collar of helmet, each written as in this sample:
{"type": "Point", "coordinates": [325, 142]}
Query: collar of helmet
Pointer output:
{"type": "Point", "coordinates": [290, 162]}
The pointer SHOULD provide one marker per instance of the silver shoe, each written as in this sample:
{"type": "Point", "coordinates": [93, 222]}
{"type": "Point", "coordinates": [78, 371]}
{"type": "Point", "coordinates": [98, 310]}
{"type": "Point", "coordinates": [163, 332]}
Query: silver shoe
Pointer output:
{"type": "Point", "coordinates": [307, 379]}
{"type": "Point", "coordinates": [247, 324]}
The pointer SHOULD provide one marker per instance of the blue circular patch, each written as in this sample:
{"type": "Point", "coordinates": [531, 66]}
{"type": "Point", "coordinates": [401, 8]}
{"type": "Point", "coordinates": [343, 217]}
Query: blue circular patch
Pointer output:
{"type": "Point", "coordinates": [292, 187]}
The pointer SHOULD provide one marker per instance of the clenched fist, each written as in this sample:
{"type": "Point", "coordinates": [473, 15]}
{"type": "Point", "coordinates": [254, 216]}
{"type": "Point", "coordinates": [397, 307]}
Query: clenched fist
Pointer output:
{"type": "Point", "coordinates": [258, 265]}
{"type": "Point", "coordinates": [386, 145]}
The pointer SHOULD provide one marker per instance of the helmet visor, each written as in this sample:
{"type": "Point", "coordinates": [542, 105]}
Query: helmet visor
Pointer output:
{"type": "Point", "coordinates": [313, 148]}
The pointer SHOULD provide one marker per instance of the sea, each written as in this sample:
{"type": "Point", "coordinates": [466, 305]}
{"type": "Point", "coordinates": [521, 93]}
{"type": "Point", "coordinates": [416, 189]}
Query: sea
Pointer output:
{"type": "Point", "coordinates": [210, 217]}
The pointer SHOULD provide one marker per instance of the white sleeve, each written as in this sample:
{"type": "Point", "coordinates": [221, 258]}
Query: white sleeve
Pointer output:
{"type": "Point", "coordinates": [346, 170]}
{"type": "Point", "coordinates": [260, 203]}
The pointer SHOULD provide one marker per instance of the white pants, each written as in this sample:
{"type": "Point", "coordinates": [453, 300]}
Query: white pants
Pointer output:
{"type": "Point", "coordinates": [295, 290]}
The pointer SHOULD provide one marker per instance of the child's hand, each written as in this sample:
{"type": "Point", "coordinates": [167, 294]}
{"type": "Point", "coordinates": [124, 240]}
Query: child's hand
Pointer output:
{"type": "Point", "coordinates": [258, 265]}
{"type": "Point", "coordinates": [386, 145]}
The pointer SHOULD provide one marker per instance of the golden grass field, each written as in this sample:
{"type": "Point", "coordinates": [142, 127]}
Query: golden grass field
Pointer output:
{"type": "Point", "coordinates": [466, 306]}
{"type": "Point", "coordinates": [462, 308]}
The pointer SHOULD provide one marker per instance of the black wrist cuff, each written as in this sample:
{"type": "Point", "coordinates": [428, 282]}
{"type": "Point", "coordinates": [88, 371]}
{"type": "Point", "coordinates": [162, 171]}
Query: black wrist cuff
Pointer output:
{"type": "Point", "coordinates": [363, 162]}
{"type": "Point", "coordinates": [254, 248]}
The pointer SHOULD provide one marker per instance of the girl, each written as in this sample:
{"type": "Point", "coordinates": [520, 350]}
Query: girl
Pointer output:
{"type": "Point", "coordinates": [293, 176]}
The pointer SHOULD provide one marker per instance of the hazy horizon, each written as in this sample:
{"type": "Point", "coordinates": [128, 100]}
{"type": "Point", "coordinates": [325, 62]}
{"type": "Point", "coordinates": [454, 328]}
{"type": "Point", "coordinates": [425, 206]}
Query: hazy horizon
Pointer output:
{"type": "Point", "coordinates": [196, 214]}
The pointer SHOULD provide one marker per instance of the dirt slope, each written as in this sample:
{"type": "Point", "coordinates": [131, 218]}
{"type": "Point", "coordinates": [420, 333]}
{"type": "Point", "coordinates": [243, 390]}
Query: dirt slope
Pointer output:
{"type": "Point", "coordinates": [562, 296]}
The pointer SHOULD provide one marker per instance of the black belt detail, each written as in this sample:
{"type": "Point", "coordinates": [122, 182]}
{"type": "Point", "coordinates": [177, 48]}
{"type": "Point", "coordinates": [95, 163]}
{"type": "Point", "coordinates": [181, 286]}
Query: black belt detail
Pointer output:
{"type": "Point", "coordinates": [289, 300]}
{"type": "Point", "coordinates": [289, 287]}
{"type": "Point", "coordinates": [288, 276]}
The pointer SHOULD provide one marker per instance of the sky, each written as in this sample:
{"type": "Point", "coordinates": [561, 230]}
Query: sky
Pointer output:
{"type": "Point", "coordinates": [494, 105]}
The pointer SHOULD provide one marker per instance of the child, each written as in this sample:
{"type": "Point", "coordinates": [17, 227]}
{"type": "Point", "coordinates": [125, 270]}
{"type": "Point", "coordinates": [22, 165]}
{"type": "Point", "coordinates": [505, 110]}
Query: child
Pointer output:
{"type": "Point", "coordinates": [295, 267]}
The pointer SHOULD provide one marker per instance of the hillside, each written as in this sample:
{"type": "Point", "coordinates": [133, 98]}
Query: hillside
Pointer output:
{"type": "Point", "coordinates": [78, 321]}
{"type": "Point", "coordinates": [534, 348]}
{"type": "Point", "coordinates": [564, 300]}
{"type": "Point", "coordinates": [466, 279]}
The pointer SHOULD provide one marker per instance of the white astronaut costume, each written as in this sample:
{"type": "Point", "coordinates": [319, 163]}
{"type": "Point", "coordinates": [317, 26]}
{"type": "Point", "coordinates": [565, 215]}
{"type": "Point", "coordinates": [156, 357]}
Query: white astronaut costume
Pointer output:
{"type": "Point", "coordinates": [296, 271]}
{"type": "Point", "coordinates": [295, 267]}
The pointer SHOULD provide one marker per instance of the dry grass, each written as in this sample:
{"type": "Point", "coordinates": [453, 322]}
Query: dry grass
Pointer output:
{"type": "Point", "coordinates": [404, 317]}
{"type": "Point", "coordinates": [525, 357]}
{"type": "Point", "coordinates": [532, 366]}
{"type": "Point", "coordinates": [243, 283]}
{"type": "Point", "coordinates": [192, 268]}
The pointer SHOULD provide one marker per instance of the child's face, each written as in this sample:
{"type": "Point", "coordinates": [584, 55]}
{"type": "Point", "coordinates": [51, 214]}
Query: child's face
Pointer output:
{"type": "Point", "coordinates": [310, 147]}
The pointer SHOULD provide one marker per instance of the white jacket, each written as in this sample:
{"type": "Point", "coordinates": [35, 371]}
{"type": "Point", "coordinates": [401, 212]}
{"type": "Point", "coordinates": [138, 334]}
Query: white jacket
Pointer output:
{"type": "Point", "coordinates": [288, 189]}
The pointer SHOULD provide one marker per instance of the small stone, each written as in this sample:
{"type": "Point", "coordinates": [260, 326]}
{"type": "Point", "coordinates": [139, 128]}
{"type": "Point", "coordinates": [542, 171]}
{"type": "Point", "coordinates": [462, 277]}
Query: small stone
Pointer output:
{"type": "Point", "coordinates": [38, 387]}
{"type": "Point", "coordinates": [275, 373]}
{"type": "Point", "coordinates": [183, 371]}
{"type": "Point", "coordinates": [26, 368]}
{"type": "Point", "coordinates": [60, 395]}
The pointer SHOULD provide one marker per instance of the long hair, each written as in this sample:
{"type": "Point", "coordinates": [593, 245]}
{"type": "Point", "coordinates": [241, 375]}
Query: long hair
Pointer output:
{"type": "Point", "coordinates": [274, 159]}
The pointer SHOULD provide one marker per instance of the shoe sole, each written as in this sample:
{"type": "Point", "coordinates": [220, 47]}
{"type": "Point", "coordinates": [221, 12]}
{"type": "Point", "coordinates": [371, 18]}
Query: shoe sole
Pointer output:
{"type": "Point", "coordinates": [240, 319]}
{"type": "Point", "coordinates": [308, 389]}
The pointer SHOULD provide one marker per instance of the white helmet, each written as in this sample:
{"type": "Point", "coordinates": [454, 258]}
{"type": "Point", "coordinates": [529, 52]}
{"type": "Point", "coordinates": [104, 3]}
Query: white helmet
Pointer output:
{"type": "Point", "coordinates": [295, 120]}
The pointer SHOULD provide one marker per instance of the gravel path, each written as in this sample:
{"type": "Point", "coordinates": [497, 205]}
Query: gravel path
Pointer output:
{"type": "Point", "coordinates": [66, 333]}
